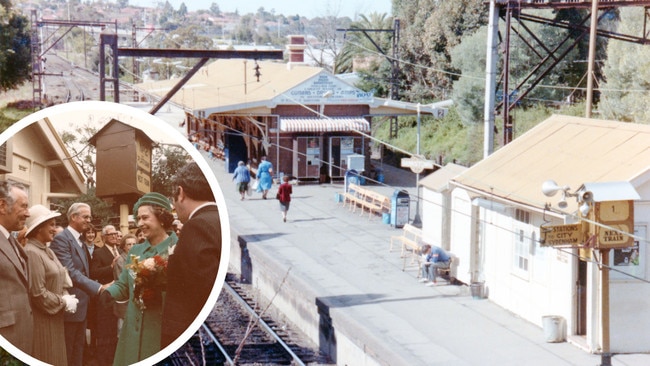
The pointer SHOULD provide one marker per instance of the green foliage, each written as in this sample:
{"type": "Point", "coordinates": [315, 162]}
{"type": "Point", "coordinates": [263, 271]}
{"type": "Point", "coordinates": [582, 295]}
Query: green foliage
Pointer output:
{"type": "Point", "coordinates": [15, 52]}
{"type": "Point", "coordinates": [164, 169]}
{"type": "Point", "coordinates": [431, 29]}
{"type": "Point", "coordinates": [6, 359]}
{"type": "Point", "coordinates": [450, 139]}
{"type": "Point", "coordinates": [625, 92]}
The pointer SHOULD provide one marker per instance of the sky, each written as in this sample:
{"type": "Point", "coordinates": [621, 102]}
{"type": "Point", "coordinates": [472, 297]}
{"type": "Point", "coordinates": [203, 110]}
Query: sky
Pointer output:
{"type": "Point", "coordinates": [306, 8]}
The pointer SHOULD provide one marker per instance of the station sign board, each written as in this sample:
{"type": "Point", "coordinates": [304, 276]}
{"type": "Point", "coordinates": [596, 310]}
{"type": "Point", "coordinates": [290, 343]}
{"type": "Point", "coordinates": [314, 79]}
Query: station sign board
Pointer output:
{"type": "Point", "coordinates": [564, 235]}
{"type": "Point", "coordinates": [417, 165]}
{"type": "Point", "coordinates": [617, 218]}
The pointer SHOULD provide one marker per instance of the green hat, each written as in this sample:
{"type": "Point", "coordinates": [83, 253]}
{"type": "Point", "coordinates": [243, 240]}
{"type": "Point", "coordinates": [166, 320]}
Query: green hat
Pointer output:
{"type": "Point", "coordinates": [154, 199]}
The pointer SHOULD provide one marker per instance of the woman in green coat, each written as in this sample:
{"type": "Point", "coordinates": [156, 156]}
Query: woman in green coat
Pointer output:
{"type": "Point", "coordinates": [143, 281]}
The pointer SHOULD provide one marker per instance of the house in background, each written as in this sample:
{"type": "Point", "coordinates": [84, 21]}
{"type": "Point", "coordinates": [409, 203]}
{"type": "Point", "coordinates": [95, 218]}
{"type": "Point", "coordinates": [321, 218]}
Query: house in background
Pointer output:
{"type": "Point", "coordinates": [497, 208]}
{"type": "Point", "coordinates": [37, 158]}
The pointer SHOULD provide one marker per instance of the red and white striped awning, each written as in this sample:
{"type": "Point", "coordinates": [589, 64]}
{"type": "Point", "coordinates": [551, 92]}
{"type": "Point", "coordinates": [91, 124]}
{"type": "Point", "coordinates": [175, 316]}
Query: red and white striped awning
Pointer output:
{"type": "Point", "coordinates": [323, 124]}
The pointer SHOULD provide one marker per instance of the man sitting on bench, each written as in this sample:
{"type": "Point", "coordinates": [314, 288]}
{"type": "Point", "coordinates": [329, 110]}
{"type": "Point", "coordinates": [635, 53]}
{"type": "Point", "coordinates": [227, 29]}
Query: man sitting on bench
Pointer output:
{"type": "Point", "coordinates": [434, 258]}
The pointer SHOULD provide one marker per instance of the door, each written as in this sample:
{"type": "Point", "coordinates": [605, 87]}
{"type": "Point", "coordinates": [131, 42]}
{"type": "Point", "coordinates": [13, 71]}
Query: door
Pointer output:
{"type": "Point", "coordinates": [581, 298]}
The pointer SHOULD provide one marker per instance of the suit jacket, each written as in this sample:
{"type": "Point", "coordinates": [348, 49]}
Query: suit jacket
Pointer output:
{"type": "Point", "coordinates": [16, 319]}
{"type": "Point", "coordinates": [100, 265]}
{"type": "Point", "coordinates": [74, 258]}
{"type": "Point", "coordinates": [191, 272]}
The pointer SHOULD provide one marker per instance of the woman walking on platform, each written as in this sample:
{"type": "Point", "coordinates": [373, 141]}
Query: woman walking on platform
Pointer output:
{"type": "Point", "coordinates": [284, 196]}
{"type": "Point", "coordinates": [242, 178]}
{"type": "Point", "coordinates": [264, 171]}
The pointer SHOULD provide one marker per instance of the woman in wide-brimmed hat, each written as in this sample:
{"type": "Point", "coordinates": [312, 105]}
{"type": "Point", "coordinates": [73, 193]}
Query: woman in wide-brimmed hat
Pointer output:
{"type": "Point", "coordinates": [141, 282]}
{"type": "Point", "coordinates": [48, 281]}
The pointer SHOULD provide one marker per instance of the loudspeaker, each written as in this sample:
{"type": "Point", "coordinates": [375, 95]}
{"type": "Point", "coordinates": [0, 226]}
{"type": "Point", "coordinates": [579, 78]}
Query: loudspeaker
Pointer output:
{"type": "Point", "coordinates": [550, 188]}
{"type": "Point", "coordinates": [586, 196]}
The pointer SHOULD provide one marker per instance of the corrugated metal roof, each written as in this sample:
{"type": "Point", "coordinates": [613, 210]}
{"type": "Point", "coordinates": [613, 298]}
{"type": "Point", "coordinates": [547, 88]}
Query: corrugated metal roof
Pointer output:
{"type": "Point", "coordinates": [569, 150]}
{"type": "Point", "coordinates": [231, 85]}
{"type": "Point", "coordinates": [323, 124]}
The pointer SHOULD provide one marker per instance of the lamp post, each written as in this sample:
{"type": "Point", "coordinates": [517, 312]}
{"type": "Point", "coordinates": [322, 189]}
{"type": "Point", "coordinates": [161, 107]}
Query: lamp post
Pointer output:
{"type": "Point", "coordinates": [416, 220]}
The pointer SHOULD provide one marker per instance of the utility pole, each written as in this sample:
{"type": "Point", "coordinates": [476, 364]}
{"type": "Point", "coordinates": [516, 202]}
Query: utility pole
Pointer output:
{"type": "Point", "coordinates": [592, 56]}
{"type": "Point", "coordinates": [394, 62]}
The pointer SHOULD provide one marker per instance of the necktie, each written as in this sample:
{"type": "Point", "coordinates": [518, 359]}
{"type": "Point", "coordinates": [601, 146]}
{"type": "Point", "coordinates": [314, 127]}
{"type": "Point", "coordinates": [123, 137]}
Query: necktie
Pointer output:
{"type": "Point", "coordinates": [115, 253]}
{"type": "Point", "coordinates": [15, 244]}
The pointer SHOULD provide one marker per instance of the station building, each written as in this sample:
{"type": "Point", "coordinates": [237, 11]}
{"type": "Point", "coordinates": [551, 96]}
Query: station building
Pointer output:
{"type": "Point", "coordinates": [490, 217]}
{"type": "Point", "coordinates": [37, 158]}
{"type": "Point", "coordinates": [304, 119]}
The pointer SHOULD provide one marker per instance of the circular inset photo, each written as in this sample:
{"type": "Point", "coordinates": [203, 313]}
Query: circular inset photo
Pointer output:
{"type": "Point", "coordinates": [115, 236]}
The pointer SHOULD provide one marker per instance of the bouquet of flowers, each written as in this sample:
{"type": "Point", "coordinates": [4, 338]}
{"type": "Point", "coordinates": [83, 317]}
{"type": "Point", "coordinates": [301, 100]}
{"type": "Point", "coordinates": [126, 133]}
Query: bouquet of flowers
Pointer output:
{"type": "Point", "coordinates": [150, 279]}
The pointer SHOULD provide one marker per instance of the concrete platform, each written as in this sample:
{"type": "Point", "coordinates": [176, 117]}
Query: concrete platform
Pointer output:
{"type": "Point", "coordinates": [341, 286]}
{"type": "Point", "coordinates": [336, 280]}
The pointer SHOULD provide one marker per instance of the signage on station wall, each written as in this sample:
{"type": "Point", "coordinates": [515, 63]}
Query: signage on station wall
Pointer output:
{"type": "Point", "coordinates": [325, 89]}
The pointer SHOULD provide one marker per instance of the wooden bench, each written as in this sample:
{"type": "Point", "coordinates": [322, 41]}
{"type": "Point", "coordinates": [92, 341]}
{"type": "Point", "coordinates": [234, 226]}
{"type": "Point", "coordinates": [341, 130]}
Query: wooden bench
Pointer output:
{"type": "Point", "coordinates": [410, 242]}
{"type": "Point", "coordinates": [366, 199]}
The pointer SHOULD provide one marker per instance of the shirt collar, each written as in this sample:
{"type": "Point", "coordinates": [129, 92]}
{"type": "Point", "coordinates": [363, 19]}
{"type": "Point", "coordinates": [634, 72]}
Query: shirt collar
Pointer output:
{"type": "Point", "coordinates": [200, 207]}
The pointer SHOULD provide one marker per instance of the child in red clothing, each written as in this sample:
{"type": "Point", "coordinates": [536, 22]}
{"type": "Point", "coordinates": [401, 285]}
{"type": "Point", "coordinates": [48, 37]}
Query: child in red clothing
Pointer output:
{"type": "Point", "coordinates": [284, 196]}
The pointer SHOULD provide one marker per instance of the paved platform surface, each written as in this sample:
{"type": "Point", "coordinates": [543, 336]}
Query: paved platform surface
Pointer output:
{"type": "Point", "coordinates": [344, 259]}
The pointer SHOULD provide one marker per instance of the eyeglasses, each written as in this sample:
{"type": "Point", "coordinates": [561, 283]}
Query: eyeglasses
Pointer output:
{"type": "Point", "coordinates": [110, 234]}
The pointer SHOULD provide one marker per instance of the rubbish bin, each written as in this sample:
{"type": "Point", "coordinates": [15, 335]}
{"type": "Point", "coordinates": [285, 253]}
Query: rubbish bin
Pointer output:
{"type": "Point", "coordinates": [554, 328]}
{"type": "Point", "coordinates": [399, 208]}
{"type": "Point", "coordinates": [476, 289]}
{"type": "Point", "coordinates": [351, 177]}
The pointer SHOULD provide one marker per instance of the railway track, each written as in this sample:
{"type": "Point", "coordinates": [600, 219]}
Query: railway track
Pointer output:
{"type": "Point", "coordinates": [227, 337]}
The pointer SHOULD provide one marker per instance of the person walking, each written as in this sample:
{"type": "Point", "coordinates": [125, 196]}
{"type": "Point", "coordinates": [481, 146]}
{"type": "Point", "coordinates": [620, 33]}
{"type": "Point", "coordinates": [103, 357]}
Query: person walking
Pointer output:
{"type": "Point", "coordinates": [284, 196]}
{"type": "Point", "coordinates": [242, 177]}
{"type": "Point", "coordinates": [18, 324]}
{"type": "Point", "coordinates": [193, 267]}
{"type": "Point", "coordinates": [48, 284]}
{"type": "Point", "coordinates": [265, 180]}
{"type": "Point", "coordinates": [73, 254]}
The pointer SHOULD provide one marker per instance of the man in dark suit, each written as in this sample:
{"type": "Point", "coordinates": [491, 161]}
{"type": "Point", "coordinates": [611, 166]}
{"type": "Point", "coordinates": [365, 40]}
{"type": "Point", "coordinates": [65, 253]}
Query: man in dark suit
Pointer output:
{"type": "Point", "coordinates": [16, 320]}
{"type": "Point", "coordinates": [101, 270]}
{"type": "Point", "coordinates": [73, 254]}
{"type": "Point", "coordinates": [193, 266]}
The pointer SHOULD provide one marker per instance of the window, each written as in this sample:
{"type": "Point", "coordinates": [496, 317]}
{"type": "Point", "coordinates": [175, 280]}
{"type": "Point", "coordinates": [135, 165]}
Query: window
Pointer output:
{"type": "Point", "coordinates": [522, 216]}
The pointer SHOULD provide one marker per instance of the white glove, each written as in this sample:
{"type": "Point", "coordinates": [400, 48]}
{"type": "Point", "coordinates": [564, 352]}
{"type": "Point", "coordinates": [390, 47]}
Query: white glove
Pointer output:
{"type": "Point", "coordinates": [71, 302]}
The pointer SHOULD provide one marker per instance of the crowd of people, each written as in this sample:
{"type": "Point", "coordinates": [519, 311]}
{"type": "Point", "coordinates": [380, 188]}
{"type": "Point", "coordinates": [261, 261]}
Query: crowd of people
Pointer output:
{"type": "Point", "coordinates": [133, 294]}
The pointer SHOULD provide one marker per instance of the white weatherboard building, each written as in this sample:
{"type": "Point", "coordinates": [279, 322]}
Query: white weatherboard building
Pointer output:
{"type": "Point", "coordinates": [496, 209]}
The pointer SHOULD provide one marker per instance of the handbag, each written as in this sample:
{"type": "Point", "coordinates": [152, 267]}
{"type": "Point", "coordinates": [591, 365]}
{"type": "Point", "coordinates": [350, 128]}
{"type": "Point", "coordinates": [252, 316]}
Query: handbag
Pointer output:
{"type": "Point", "coordinates": [249, 190]}
{"type": "Point", "coordinates": [255, 184]}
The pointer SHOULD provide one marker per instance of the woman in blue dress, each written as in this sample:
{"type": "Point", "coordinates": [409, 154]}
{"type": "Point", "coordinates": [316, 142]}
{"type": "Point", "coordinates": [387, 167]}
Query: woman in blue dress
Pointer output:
{"type": "Point", "coordinates": [264, 171]}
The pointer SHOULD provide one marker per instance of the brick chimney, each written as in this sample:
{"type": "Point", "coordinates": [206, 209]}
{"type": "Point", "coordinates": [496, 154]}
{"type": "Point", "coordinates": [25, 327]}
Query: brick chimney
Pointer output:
{"type": "Point", "coordinates": [296, 48]}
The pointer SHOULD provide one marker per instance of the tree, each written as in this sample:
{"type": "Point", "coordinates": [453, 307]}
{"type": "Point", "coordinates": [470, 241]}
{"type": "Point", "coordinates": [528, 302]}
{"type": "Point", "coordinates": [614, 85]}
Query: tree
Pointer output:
{"type": "Point", "coordinates": [357, 46]}
{"type": "Point", "coordinates": [430, 29]}
{"type": "Point", "coordinates": [214, 9]}
{"type": "Point", "coordinates": [167, 161]}
{"type": "Point", "coordinates": [77, 142]}
{"type": "Point", "coordinates": [15, 47]}
{"type": "Point", "coordinates": [469, 58]}
{"type": "Point", "coordinates": [624, 95]}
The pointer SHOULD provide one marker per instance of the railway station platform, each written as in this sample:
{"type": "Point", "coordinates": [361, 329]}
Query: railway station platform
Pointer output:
{"type": "Point", "coordinates": [337, 281]}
